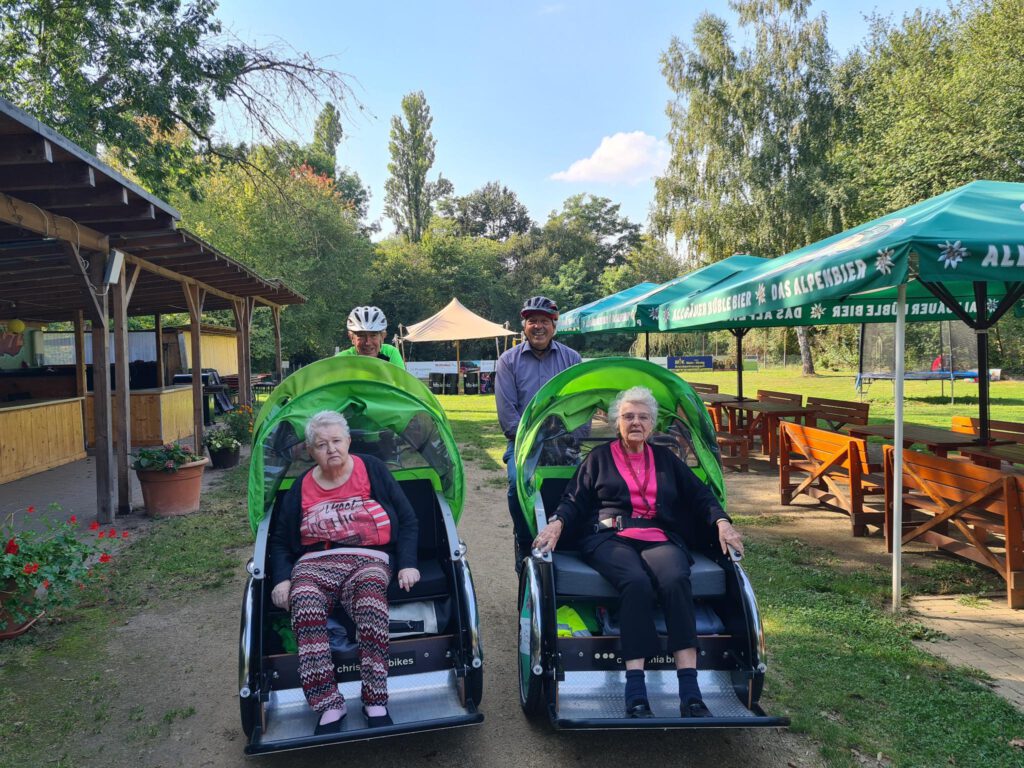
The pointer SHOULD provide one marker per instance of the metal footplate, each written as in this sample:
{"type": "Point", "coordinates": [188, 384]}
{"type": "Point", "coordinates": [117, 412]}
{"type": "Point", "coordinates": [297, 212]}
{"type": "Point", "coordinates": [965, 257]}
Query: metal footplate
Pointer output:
{"type": "Point", "coordinates": [595, 700]}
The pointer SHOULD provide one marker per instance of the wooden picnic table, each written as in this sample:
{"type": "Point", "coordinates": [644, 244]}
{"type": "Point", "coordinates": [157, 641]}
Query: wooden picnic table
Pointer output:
{"type": "Point", "coordinates": [994, 455]}
{"type": "Point", "coordinates": [743, 419]}
{"type": "Point", "coordinates": [714, 401]}
{"type": "Point", "coordinates": [938, 441]}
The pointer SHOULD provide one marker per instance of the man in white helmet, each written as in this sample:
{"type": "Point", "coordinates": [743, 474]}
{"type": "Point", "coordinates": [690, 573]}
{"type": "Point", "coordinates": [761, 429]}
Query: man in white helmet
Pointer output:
{"type": "Point", "coordinates": [367, 328]}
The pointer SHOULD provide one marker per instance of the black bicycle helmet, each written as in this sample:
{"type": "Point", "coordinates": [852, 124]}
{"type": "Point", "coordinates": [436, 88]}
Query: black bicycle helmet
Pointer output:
{"type": "Point", "coordinates": [539, 305]}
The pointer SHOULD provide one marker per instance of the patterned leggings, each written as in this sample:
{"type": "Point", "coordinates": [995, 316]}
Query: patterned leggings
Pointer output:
{"type": "Point", "coordinates": [360, 584]}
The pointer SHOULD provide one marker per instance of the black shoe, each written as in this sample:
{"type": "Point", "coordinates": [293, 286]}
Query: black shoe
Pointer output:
{"type": "Point", "coordinates": [322, 729]}
{"type": "Point", "coordinates": [695, 708]}
{"type": "Point", "coordinates": [639, 709]}
{"type": "Point", "coordinates": [377, 722]}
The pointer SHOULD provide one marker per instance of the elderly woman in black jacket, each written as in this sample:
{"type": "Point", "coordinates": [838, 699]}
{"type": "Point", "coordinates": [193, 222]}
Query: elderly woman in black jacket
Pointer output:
{"type": "Point", "coordinates": [339, 528]}
{"type": "Point", "coordinates": [638, 502]}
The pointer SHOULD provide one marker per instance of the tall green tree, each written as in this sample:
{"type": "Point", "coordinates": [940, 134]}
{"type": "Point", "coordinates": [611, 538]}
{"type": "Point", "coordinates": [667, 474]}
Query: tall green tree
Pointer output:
{"type": "Point", "coordinates": [126, 75]}
{"type": "Point", "coordinates": [752, 134]}
{"type": "Point", "coordinates": [493, 211]}
{"type": "Point", "coordinates": [408, 196]}
{"type": "Point", "coordinates": [938, 103]}
{"type": "Point", "coordinates": [327, 133]}
{"type": "Point", "coordinates": [296, 227]}
{"type": "Point", "coordinates": [651, 262]}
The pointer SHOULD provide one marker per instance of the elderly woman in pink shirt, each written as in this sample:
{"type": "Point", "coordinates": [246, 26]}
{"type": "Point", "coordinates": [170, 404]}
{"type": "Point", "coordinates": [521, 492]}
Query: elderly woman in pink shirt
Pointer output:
{"type": "Point", "coordinates": [637, 504]}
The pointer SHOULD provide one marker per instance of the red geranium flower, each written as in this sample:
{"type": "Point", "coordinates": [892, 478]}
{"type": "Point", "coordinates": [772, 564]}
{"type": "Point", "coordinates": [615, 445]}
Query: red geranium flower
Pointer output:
{"type": "Point", "coordinates": [124, 534]}
{"type": "Point", "coordinates": [94, 525]}
{"type": "Point", "coordinates": [30, 568]}
{"type": "Point", "coordinates": [101, 535]}
{"type": "Point", "coordinates": [11, 548]}
{"type": "Point", "coordinates": [112, 533]}
{"type": "Point", "coordinates": [31, 509]}
{"type": "Point", "coordinates": [46, 583]}
{"type": "Point", "coordinates": [73, 520]}
{"type": "Point", "coordinates": [104, 558]}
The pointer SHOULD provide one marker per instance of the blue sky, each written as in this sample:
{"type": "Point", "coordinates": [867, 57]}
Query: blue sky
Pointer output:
{"type": "Point", "coordinates": [549, 98]}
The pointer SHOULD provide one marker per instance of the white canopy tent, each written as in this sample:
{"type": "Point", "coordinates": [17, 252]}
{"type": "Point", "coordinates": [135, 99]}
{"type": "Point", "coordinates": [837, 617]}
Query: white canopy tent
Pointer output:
{"type": "Point", "coordinates": [454, 323]}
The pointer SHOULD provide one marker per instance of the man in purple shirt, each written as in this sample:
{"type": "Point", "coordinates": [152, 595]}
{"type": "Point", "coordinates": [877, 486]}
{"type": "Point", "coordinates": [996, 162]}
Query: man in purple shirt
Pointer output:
{"type": "Point", "coordinates": [520, 372]}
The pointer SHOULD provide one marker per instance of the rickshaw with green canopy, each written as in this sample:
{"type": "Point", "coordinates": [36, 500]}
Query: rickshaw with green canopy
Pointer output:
{"type": "Point", "coordinates": [435, 677]}
{"type": "Point", "coordinates": [570, 667]}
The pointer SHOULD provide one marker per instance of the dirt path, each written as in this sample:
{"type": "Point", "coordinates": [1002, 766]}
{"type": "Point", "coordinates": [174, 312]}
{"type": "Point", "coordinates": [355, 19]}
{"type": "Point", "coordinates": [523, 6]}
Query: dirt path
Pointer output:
{"type": "Point", "coordinates": [177, 702]}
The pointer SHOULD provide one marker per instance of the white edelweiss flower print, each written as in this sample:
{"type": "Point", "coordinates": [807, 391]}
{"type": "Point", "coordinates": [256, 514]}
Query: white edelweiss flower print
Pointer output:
{"type": "Point", "coordinates": [951, 254]}
{"type": "Point", "coordinates": [817, 312]}
{"type": "Point", "coordinates": [653, 313]}
{"type": "Point", "coordinates": [993, 305]}
{"type": "Point", "coordinates": [760, 293]}
{"type": "Point", "coordinates": [883, 262]}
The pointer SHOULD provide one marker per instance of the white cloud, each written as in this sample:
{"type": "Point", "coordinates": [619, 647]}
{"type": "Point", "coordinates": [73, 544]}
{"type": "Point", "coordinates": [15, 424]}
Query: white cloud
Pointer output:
{"type": "Point", "coordinates": [623, 158]}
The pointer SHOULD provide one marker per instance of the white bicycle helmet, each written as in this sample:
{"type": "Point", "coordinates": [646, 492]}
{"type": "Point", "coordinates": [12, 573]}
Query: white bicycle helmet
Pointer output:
{"type": "Point", "coordinates": [367, 319]}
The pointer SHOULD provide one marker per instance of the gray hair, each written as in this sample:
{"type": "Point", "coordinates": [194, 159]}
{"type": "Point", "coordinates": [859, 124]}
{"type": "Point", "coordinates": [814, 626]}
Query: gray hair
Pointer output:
{"type": "Point", "coordinates": [636, 395]}
{"type": "Point", "coordinates": [323, 420]}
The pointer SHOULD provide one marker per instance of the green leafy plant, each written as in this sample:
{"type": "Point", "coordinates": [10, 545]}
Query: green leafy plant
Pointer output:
{"type": "Point", "coordinates": [220, 440]}
{"type": "Point", "coordinates": [43, 568]}
{"type": "Point", "coordinates": [167, 457]}
{"type": "Point", "coordinates": [238, 422]}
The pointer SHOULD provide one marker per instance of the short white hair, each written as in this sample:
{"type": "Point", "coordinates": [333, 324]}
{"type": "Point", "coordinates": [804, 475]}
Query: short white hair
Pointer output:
{"type": "Point", "coordinates": [323, 420]}
{"type": "Point", "coordinates": [636, 395]}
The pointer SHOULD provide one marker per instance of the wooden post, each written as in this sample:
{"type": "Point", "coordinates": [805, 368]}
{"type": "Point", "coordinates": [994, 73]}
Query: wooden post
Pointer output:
{"type": "Point", "coordinates": [238, 308]}
{"type": "Point", "coordinates": [275, 312]}
{"type": "Point", "coordinates": [122, 394]}
{"type": "Point", "coordinates": [195, 296]}
{"type": "Point", "coordinates": [80, 386]}
{"type": "Point", "coordinates": [158, 329]}
{"type": "Point", "coordinates": [102, 420]}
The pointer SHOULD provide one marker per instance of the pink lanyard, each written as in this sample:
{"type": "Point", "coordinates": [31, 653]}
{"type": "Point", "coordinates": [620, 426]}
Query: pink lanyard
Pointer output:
{"type": "Point", "coordinates": [647, 476]}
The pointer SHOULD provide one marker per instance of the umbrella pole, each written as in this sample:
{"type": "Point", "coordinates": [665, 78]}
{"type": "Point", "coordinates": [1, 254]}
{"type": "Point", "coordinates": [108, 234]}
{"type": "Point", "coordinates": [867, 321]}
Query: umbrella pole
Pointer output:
{"type": "Point", "coordinates": [739, 333]}
{"type": "Point", "coordinates": [647, 346]}
{"type": "Point", "coordinates": [981, 296]}
{"type": "Point", "coordinates": [458, 370]}
{"type": "Point", "coordinates": [897, 439]}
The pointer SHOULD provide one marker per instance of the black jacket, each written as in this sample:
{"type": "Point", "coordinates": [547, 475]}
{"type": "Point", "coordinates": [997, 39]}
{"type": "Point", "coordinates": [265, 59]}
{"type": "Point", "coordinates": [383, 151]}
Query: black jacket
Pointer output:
{"type": "Point", "coordinates": [286, 545]}
{"type": "Point", "coordinates": [686, 507]}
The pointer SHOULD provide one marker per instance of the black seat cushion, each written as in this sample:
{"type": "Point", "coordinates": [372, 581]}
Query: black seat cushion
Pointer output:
{"type": "Point", "coordinates": [432, 584]}
{"type": "Point", "coordinates": [575, 578]}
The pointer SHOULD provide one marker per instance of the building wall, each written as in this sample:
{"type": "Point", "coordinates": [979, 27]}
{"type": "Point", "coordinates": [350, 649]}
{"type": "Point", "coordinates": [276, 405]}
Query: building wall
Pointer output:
{"type": "Point", "coordinates": [220, 352]}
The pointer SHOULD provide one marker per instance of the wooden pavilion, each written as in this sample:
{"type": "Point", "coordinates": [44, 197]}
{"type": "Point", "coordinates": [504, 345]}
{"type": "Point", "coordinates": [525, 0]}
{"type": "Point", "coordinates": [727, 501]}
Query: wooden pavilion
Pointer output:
{"type": "Point", "coordinates": [80, 242]}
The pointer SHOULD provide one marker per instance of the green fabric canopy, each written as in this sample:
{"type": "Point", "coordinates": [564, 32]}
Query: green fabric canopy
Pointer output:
{"type": "Point", "coordinates": [571, 321]}
{"type": "Point", "coordinates": [972, 234]}
{"type": "Point", "coordinates": [641, 313]}
{"type": "Point", "coordinates": [374, 395]}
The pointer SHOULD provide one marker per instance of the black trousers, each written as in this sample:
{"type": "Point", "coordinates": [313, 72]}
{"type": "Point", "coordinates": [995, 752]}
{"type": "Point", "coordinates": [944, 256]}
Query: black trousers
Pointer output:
{"type": "Point", "coordinates": [646, 573]}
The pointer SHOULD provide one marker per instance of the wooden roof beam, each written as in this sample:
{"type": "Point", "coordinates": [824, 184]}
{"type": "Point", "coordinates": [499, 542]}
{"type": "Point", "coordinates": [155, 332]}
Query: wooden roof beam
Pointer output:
{"type": "Point", "coordinates": [19, 150]}
{"type": "Point", "coordinates": [30, 217]}
{"type": "Point", "coordinates": [43, 176]}
{"type": "Point", "coordinates": [105, 213]}
{"type": "Point", "coordinates": [76, 198]}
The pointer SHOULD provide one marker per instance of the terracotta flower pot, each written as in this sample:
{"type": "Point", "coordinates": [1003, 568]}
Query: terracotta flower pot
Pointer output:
{"type": "Point", "coordinates": [12, 627]}
{"type": "Point", "coordinates": [223, 458]}
{"type": "Point", "coordinates": [172, 493]}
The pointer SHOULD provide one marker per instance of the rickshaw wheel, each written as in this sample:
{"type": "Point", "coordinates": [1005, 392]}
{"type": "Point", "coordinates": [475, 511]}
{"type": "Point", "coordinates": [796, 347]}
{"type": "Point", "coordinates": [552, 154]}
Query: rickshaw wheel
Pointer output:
{"type": "Point", "coordinates": [531, 686]}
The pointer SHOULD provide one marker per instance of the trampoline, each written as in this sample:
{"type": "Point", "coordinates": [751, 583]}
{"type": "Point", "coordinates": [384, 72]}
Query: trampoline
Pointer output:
{"type": "Point", "coordinates": [938, 351]}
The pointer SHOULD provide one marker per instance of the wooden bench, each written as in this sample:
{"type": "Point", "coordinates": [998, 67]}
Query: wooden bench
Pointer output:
{"type": "Point", "coordinates": [785, 398]}
{"type": "Point", "coordinates": [838, 413]}
{"type": "Point", "coordinates": [983, 506]}
{"type": "Point", "coordinates": [999, 431]}
{"type": "Point", "coordinates": [757, 426]}
{"type": "Point", "coordinates": [733, 449]}
{"type": "Point", "coordinates": [837, 471]}
{"type": "Point", "coordinates": [704, 389]}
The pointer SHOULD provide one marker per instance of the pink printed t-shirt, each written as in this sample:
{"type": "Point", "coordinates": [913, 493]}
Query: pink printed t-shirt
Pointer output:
{"type": "Point", "coordinates": [346, 515]}
{"type": "Point", "coordinates": [643, 499]}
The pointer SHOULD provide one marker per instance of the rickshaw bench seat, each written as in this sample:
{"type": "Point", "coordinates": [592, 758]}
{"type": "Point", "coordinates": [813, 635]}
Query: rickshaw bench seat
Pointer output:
{"type": "Point", "coordinates": [575, 578]}
{"type": "Point", "coordinates": [432, 584]}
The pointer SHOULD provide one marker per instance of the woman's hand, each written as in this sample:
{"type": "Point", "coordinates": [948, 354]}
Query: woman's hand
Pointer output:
{"type": "Point", "coordinates": [407, 578]}
{"type": "Point", "coordinates": [729, 537]}
{"type": "Point", "coordinates": [282, 594]}
{"type": "Point", "coordinates": [548, 538]}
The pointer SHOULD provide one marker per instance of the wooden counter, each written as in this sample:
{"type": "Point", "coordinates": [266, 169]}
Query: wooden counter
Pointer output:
{"type": "Point", "coordinates": [158, 416]}
{"type": "Point", "coordinates": [36, 435]}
